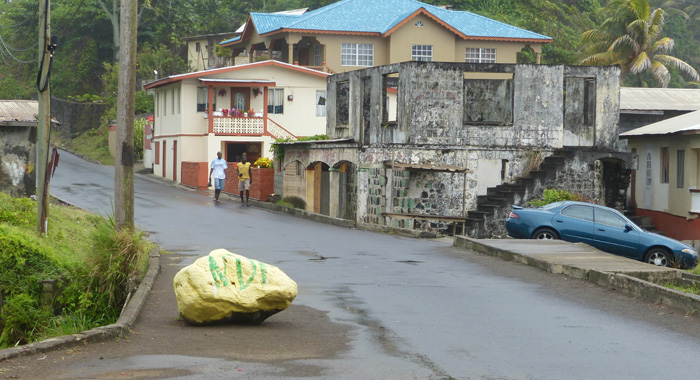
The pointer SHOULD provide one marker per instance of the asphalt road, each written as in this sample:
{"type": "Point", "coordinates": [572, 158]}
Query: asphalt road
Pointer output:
{"type": "Point", "coordinates": [370, 306]}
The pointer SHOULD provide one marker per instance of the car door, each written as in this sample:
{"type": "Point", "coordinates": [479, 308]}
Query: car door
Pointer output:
{"type": "Point", "coordinates": [612, 236]}
{"type": "Point", "coordinates": [575, 223]}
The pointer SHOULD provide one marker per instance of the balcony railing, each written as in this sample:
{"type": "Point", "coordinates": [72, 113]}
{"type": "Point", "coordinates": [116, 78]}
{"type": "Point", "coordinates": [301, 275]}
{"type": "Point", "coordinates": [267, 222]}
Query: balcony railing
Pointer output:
{"type": "Point", "coordinates": [277, 131]}
{"type": "Point", "coordinates": [239, 125]}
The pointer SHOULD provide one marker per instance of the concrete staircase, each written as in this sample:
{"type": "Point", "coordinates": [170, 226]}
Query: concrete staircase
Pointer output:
{"type": "Point", "coordinates": [487, 221]}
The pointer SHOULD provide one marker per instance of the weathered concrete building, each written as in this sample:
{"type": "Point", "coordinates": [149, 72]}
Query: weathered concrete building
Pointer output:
{"type": "Point", "coordinates": [460, 149]}
{"type": "Point", "coordinates": [18, 146]}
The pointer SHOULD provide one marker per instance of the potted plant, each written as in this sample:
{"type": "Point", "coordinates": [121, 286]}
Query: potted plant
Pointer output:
{"type": "Point", "coordinates": [251, 112]}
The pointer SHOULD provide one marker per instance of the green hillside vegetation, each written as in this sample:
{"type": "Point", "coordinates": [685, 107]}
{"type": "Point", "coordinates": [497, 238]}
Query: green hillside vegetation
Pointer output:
{"type": "Point", "coordinates": [87, 49]}
{"type": "Point", "coordinates": [93, 264]}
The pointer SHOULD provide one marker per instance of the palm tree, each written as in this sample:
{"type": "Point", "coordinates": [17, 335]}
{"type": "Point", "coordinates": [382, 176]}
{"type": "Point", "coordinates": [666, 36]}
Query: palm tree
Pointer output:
{"type": "Point", "coordinates": [631, 37]}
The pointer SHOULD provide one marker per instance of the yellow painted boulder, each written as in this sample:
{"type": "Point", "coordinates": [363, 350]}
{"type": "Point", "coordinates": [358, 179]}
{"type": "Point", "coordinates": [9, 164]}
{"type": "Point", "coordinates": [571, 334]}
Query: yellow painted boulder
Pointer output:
{"type": "Point", "coordinates": [226, 287]}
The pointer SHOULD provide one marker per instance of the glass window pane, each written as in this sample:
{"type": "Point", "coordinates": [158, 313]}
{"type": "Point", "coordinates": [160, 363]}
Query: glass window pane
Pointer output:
{"type": "Point", "coordinates": [579, 212]}
{"type": "Point", "coordinates": [320, 103]}
{"type": "Point", "coordinates": [609, 218]}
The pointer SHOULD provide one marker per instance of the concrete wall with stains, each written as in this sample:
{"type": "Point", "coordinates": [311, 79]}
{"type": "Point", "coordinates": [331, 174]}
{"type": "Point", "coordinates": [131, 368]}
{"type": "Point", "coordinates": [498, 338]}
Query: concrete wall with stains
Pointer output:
{"type": "Point", "coordinates": [439, 104]}
{"type": "Point", "coordinates": [17, 160]}
{"type": "Point", "coordinates": [448, 117]}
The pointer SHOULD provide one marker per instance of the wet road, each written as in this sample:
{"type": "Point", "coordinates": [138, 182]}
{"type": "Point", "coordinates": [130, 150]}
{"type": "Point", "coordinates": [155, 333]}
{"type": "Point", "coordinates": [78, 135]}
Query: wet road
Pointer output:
{"type": "Point", "coordinates": [403, 308]}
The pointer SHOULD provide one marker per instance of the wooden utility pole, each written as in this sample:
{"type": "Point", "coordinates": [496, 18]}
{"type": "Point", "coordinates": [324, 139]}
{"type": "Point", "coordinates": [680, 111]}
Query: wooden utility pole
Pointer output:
{"type": "Point", "coordinates": [44, 117]}
{"type": "Point", "coordinates": [124, 167]}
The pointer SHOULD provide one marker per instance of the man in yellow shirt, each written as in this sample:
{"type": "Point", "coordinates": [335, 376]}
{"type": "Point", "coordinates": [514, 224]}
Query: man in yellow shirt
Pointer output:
{"type": "Point", "coordinates": [245, 178]}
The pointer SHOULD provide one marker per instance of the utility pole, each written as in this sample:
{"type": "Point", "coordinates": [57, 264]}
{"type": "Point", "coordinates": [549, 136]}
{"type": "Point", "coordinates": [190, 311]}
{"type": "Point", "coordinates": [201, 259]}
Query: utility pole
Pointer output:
{"type": "Point", "coordinates": [44, 118]}
{"type": "Point", "coordinates": [124, 167]}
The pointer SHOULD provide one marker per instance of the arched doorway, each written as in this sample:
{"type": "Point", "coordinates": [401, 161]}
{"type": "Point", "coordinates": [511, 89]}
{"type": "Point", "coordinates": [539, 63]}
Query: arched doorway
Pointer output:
{"type": "Point", "coordinates": [321, 186]}
{"type": "Point", "coordinates": [347, 190]}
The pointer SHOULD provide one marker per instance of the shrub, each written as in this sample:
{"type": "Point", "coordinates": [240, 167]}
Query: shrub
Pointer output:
{"type": "Point", "coordinates": [22, 316]}
{"type": "Point", "coordinates": [24, 263]}
{"type": "Point", "coordinates": [264, 163]}
{"type": "Point", "coordinates": [295, 202]}
{"type": "Point", "coordinates": [139, 126]}
{"type": "Point", "coordinates": [17, 212]}
{"type": "Point", "coordinates": [95, 265]}
{"type": "Point", "coordinates": [283, 203]}
{"type": "Point", "coordinates": [143, 102]}
{"type": "Point", "coordinates": [556, 195]}
{"type": "Point", "coordinates": [118, 259]}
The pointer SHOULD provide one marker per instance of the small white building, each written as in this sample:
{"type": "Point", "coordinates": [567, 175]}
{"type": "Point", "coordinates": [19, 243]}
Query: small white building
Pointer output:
{"type": "Point", "coordinates": [198, 114]}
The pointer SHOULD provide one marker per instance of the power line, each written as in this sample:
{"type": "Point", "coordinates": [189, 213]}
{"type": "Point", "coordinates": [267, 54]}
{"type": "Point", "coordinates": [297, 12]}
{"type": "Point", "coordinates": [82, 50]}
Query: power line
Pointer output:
{"type": "Point", "coordinates": [65, 26]}
{"type": "Point", "coordinates": [7, 52]}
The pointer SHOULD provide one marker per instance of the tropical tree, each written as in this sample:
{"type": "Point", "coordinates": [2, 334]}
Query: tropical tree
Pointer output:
{"type": "Point", "coordinates": [631, 36]}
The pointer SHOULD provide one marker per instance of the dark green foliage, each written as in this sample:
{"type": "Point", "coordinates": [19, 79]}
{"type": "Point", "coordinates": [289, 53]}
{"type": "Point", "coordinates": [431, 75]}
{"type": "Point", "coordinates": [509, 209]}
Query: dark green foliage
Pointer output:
{"type": "Point", "coordinates": [24, 263]}
{"type": "Point", "coordinates": [87, 40]}
{"type": "Point", "coordinates": [557, 195]}
{"type": "Point", "coordinates": [91, 293]}
{"type": "Point", "coordinates": [13, 89]}
{"type": "Point", "coordinates": [22, 317]}
{"type": "Point", "coordinates": [17, 211]}
{"type": "Point", "coordinates": [295, 202]}
{"type": "Point", "coordinates": [144, 102]}
{"type": "Point", "coordinates": [159, 58]}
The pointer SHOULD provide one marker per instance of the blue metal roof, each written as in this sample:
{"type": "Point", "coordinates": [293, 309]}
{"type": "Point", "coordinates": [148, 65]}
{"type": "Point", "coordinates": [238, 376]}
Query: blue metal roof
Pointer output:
{"type": "Point", "coordinates": [380, 16]}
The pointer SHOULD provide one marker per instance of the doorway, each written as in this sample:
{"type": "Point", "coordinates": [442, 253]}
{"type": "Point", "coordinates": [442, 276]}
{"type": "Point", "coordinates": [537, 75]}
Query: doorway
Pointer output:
{"type": "Point", "coordinates": [234, 151]}
{"type": "Point", "coordinates": [322, 189]}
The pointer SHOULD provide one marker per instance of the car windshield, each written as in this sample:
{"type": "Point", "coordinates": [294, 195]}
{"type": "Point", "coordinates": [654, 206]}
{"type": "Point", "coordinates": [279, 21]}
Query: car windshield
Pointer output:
{"type": "Point", "coordinates": [551, 206]}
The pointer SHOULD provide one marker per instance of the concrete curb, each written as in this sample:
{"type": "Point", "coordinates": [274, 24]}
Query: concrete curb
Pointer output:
{"type": "Point", "coordinates": [623, 282]}
{"type": "Point", "coordinates": [103, 333]}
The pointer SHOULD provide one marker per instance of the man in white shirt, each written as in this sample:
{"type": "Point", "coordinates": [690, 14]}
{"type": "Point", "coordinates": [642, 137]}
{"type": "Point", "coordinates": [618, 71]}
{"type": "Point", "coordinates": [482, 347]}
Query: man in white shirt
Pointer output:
{"type": "Point", "coordinates": [218, 165]}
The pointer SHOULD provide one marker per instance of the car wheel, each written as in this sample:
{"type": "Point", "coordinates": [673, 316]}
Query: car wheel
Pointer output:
{"type": "Point", "coordinates": [545, 234]}
{"type": "Point", "coordinates": [659, 257]}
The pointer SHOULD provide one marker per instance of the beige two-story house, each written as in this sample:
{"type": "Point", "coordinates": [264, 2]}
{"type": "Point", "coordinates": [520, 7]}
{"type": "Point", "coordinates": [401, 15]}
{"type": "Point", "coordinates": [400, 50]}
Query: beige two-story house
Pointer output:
{"type": "Point", "coordinates": [355, 34]}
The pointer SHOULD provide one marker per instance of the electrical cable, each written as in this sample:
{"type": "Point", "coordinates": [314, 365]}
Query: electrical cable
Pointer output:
{"type": "Point", "coordinates": [65, 26]}
{"type": "Point", "coordinates": [7, 52]}
{"type": "Point", "coordinates": [48, 46]}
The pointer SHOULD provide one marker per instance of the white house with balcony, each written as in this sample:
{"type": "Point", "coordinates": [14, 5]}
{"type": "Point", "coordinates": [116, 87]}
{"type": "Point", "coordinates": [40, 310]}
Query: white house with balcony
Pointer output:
{"type": "Point", "coordinates": [235, 110]}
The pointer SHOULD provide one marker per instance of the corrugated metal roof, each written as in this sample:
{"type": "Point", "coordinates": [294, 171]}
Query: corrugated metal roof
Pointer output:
{"type": "Point", "coordinates": [659, 99]}
{"type": "Point", "coordinates": [18, 111]}
{"type": "Point", "coordinates": [205, 80]}
{"type": "Point", "coordinates": [372, 16]}
{"type": "Point", "coordinates": [686, 123]}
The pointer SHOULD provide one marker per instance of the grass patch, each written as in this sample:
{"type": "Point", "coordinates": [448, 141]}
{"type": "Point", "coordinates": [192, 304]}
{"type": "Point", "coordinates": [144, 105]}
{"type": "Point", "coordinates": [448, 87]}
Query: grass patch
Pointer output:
{"type": "Point", "coordinates": [284, 203]}
{"type": "Point", "coordinates": [94, 267]}
{"type": "Point", "coordinates": [295, 202]}
{"type": "Point", "coordinates": [695, 289]}
{"type": "Point", "coordinates": [92, 144]}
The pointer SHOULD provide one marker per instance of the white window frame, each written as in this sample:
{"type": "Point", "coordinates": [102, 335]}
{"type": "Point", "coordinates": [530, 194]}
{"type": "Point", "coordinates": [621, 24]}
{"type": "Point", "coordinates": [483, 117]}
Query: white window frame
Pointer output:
{"type": "Point", "coordinates": [203, 94]}
{"type": "Point", "coordinates": [357, 55]}
{"type": "Point", "coordinates": [275, 101]}
{"type": "Point", "coordinates": [480, 55]}
{"type": "Point", "coordinates": [423, 53]}
{"type": "Point", "coordinates": [321, 109]}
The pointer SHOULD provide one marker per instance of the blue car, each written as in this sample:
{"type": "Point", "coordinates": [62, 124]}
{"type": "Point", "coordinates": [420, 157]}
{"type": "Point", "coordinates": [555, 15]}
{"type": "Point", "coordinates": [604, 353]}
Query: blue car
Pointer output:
{"type": "Point", "coordinates": [601, 227]}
